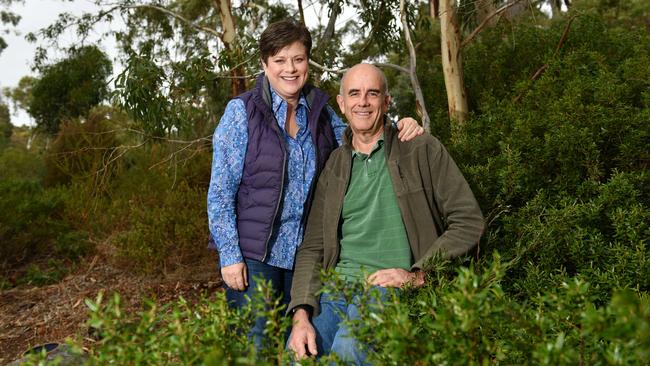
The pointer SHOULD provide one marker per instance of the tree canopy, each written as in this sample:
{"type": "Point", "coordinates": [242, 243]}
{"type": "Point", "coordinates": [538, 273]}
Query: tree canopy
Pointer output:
{"type": "Point", "coordinates": [70, 88]}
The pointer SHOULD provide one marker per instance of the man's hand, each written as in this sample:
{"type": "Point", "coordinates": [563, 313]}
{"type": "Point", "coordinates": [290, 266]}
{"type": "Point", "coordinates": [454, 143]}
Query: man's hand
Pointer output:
{"type": "Point", "coordinates": [303, 336]}
{"type": "Point", "coordinates": [408, 129]}
{"type": "Point", "coordinates": [396, 277]}
{"type": "Point", "coordinates": [235, 276]}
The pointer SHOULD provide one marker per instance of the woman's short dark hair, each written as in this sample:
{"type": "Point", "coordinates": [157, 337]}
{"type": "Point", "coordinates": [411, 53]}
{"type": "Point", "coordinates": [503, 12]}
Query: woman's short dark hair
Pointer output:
{"type": "Point", "coordinates": [281, 34]}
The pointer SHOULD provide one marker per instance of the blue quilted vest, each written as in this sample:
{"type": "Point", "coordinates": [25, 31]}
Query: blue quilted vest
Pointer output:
{"type": "Point", "coordinates": [263, 179]}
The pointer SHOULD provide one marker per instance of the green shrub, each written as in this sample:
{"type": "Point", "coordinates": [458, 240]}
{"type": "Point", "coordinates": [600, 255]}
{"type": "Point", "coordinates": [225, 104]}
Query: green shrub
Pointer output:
{"type": "Point", "coordinates": [470, 320]}
{"type": "Point", "coordinates": [35, 230]}
{"type": "Point", "coordinates": [208, 332]}
{"type": "Point", "coordinates": [158, 210]}
{"type": "Point", "coordinates": [83, 150]}
{"type": "Point", "coordinates": [17, 163]}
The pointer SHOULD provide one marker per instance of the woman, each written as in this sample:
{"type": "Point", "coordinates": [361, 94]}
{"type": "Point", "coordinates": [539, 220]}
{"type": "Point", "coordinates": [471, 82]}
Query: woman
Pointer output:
{"type": "Point", "coordinates": [269, 148]}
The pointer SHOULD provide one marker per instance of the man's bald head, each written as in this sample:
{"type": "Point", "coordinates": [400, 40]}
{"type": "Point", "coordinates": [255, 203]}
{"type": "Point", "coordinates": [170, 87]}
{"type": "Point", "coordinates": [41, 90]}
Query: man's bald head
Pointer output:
{"type": "Point", "coordinates": [365, 68]}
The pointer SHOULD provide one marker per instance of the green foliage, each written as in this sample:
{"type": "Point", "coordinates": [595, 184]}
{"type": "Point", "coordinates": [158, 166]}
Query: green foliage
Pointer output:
{"type": "Point", "coordinates": [70, 88]}
{"type": "Point", "coordinates": [208, 332]}
{"type": "Point", "coordinates": [6, 128]}
{"type": "Point", "coordinates": [33, 225]}
{"type": "Point", "coordinates": [7, 17]}
{"type": "Point", "coordinates": [83, 150]}
{"type": "Point", "coordinates": [470, 320]}
{"type": "Point", "coordinates": [21, 95]}
{"type": "Point", "coordinates": [159, 209]}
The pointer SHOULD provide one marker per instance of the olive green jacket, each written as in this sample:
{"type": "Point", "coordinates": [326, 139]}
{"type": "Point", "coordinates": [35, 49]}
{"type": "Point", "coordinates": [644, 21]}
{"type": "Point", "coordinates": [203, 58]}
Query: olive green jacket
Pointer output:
{"type": "Point", "coordinates": [439, 211]}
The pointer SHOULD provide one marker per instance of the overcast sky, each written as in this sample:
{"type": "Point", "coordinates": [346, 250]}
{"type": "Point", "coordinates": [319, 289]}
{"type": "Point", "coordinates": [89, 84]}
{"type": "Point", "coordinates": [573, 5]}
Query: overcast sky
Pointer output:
{"type": "Point", "coordinates": [17, 59]}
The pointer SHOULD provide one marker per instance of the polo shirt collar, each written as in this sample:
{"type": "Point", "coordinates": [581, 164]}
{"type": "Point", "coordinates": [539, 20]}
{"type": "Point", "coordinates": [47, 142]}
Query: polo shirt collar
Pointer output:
{"type": "Point", "coordinates": [378, 145]}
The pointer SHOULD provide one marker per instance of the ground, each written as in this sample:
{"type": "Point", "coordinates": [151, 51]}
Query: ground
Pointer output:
{"type": "Point", "coordinates": [31, 316]}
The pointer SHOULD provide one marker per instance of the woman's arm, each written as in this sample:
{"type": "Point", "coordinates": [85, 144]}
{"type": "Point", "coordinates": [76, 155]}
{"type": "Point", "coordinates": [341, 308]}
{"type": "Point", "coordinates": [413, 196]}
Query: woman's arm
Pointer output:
{"type": "Point", "coordinates": [229, 145]}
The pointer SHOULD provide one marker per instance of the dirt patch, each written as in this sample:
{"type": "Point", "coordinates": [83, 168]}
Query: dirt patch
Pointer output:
{"type": "Point", "coordinates": [37, 315]}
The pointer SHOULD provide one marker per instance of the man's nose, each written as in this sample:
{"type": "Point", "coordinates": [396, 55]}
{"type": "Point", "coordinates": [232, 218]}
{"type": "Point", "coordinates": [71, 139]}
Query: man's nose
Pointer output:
{"type": "Point", "coordinates": [364, 99]}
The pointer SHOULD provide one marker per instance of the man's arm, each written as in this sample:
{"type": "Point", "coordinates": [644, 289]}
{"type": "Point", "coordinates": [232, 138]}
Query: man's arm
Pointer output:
{"type": "Point", "coordinates": [309, 257]}
{"type": "Point", "coordinates": [457, 205]}
{"type": "Point", "coordinates": [229, 149]}
{"type": "Point", "coordinates": [306, 276]}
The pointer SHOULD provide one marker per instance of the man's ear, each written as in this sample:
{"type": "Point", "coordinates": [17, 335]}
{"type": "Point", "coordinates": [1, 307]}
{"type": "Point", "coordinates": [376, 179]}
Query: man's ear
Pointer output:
{"type": "Point", "coordinates": [341, 103]}
{"type": "Point", "coordinates": [387, 101]}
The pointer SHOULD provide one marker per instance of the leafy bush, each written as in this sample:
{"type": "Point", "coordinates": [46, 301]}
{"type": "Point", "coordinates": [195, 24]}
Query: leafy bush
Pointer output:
{"type": "Point", "coordinates": [470, 320]}
{"type": "Point", "coordinates": [17, 163]}
{"type": "Point", "coordinates": [158, 211]}
{"type": "Point", "coordinates": [83, 151]}
{"type": "Point", "coordinates": [35, 231]}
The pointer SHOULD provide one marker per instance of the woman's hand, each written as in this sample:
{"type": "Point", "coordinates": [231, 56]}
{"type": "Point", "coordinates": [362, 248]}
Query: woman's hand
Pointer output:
{"type": "Point", "coordinates": [408, 129]}
{"type": "Point", "coordinates": [235, 276]}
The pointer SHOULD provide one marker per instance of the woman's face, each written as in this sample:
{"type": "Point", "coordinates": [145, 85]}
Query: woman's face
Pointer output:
{"type": "Point", "coordinates": [287, 70]}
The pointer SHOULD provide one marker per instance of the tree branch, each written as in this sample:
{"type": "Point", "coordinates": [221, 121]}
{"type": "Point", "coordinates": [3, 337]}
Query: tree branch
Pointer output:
{"type": "Point", "coordinates": [543, 68]}
{"type": "Point", "coordinates": [419, 98]}
{"type": "Point", "coordinates": [329, 30]}
{"type": "Point", "coordinates": [341, 71]}
{"type": "Point", "coordinates": [485, 22]}
{"type": "Point", "coordinates": [302, 13]}
{"type": "Point", "coordinates": [172, 14]}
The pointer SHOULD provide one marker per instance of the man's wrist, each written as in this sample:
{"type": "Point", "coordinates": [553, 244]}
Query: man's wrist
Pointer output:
{"type": "Point", "coordinates": [301, 311]}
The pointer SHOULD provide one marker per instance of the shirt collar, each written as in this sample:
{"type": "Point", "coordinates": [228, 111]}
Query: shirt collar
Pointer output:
{"type": "Point", "coordinates": [278, 102]}
{"type": "Point", "coordinates": [378, 145]}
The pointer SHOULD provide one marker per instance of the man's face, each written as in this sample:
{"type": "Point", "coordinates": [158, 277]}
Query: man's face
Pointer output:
{"type": "Point", "coordinates": [363, 100]}
{"type": "Point", "coordinates": [287, 70]}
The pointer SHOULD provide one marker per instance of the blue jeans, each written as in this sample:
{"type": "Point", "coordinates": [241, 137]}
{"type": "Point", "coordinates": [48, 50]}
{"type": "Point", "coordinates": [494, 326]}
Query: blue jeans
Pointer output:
{"type": "Point", "coordinates": [281, 283]}
{"type": "Point", "coordinates": [332, 335]}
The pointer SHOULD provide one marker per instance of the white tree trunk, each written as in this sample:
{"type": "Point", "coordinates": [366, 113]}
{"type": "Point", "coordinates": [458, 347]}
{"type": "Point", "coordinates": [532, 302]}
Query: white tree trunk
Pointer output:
{"type": "Point", "coordinates": [228, 36]}
{"type": "Point", "coordinates": [452, 64]}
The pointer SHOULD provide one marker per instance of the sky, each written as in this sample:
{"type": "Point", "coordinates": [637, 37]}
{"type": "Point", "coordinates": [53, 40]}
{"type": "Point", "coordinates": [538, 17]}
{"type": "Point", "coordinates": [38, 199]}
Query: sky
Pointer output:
{"type": "Point", "coordinates": [17, 59]}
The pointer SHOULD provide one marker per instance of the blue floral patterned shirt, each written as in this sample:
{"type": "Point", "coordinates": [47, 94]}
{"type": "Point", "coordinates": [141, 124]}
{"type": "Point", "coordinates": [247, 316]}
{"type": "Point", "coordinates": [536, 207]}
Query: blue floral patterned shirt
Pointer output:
{"type": "Point", "coordinates": [229, 145]}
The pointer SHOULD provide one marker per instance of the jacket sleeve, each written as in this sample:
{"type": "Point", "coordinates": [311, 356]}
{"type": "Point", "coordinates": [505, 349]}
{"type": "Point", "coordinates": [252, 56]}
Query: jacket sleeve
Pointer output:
{"type": "Point", "coordinates": [454, 203]}
{"type": "Point", "coordinates": [309, 258]}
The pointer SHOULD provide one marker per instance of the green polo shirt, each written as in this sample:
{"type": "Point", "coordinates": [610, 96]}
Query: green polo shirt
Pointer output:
{"type": "Point", "coordinates": [373, 236]}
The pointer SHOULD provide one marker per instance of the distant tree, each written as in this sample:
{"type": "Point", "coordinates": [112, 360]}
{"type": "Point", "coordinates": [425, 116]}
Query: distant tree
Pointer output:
{"type": "Point", "coordinates": [7, 17]}
{"type": "Point", "coordinates": [21, 95]}
{"type": "Point", "coordinates": [70, 87]}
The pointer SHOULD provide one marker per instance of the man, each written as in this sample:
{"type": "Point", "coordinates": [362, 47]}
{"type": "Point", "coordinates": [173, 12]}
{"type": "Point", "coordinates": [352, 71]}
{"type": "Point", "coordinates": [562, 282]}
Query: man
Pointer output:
{"type": "Point", "coordinates": [382, 206]}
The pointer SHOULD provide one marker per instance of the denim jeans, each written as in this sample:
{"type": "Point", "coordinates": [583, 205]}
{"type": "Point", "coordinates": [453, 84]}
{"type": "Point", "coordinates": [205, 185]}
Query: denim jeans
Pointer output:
{"type": "Point", "coordinates": [332, 335]}
{"type": "Point", "coordinates": [280, 281]}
